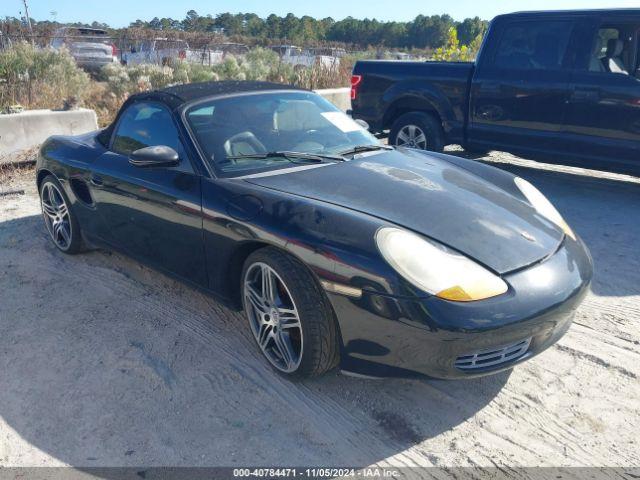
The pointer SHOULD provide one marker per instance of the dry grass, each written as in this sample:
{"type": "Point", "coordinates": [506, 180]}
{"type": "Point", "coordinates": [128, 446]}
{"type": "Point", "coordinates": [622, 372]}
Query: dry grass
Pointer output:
{"type": "Point", "coordinates": [43, 78]}
{"type": "Point", "coordinates": [13, 175]}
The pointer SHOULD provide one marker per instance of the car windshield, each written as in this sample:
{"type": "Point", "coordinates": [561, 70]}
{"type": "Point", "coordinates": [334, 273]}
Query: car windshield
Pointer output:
{"type": "Point", "coordinates": [243, 134]}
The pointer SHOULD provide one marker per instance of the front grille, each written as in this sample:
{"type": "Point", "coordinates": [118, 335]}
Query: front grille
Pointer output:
{"type": "Point", "coordinates": [493, 357]}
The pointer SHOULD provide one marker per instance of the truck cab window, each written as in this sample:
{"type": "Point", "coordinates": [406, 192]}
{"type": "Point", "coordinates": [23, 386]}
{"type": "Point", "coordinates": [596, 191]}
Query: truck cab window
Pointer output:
{"type": "Point", "coordinates": [533, 45]}
{"type": "Point", "coordinates": [612, 50]}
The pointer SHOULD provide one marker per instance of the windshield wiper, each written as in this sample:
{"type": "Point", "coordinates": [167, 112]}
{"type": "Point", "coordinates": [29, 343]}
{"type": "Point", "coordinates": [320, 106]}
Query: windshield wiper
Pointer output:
{"type": "Point", "coordinates": [365, 148]}
{"type": "Point", "coordinates": [289, 155]}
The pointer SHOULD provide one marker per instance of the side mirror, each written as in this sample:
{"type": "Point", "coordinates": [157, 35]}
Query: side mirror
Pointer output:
{"type": "Point", "coordinates": [158, 156]}
{"type": "Point", "coordinates": [362, 123]}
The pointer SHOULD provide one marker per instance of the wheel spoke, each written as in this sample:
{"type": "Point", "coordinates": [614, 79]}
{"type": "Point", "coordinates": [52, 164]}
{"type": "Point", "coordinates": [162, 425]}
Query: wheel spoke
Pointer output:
{"type": "Point", "coordinates": [64, 233]}
{"type": "Point", "coordinates": [57, 225]}
{"type": "Point", "coordinates": [62, 210]}
{"type": "Point", "coordinates": [255, 298]}
{"type": "Point", "coordinates": [412, 132]}
{"type": "Point", "coordinates": [403, 137]}
{"type": "Point", "coordinates": [51, 196]}
{"type": "Point", "coordinates": [289, 318]}
{"type": "Point", "coordinates": [420, 139]}
{"type": "Point", "coordinates": [48, 209]}
{"type": "Point", "coordinates": [268, 285]}
{"type": "Point", "coordinates": [264, 335]}
{"type": "Point", "coordinates": [284, 348]}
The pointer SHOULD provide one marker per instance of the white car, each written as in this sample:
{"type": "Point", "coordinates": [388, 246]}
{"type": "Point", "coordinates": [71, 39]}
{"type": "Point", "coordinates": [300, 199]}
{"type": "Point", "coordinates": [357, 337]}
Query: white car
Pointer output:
{"type": "Point", "coordinates": [162, 51]}
{"type": "Point", "coordinates": [308, 57]}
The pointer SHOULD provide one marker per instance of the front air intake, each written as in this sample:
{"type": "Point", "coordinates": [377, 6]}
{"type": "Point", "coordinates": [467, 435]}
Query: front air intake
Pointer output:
{"type": "Point", "coordinates": [494, 357]}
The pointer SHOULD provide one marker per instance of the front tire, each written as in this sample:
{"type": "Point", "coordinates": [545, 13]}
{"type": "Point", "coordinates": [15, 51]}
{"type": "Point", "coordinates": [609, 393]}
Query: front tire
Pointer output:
{"type": "Point", "coordinates": [289, 314]}
{"type": "Point", "coordinates": [417, 130]}
{"type": "Point", "coordinates": [59, 219]}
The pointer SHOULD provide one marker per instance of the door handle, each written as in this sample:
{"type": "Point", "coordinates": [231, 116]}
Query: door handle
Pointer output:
{"type": "Point", "coordinates": [585, 94]}
{"type": "Point", "coordinates": [96, 180]}
{"type": "Point", "coordinates": [490, 87]}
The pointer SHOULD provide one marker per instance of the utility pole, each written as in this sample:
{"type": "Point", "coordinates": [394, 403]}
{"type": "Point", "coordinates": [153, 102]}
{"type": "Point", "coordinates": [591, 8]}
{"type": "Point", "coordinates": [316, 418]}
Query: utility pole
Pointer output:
{"type": "Point", "coordinates": [26, 14]}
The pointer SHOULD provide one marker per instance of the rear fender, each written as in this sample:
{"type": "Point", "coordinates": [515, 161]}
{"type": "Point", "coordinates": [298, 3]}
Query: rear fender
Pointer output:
{"type": "Point", "coordinates": [414, 95]}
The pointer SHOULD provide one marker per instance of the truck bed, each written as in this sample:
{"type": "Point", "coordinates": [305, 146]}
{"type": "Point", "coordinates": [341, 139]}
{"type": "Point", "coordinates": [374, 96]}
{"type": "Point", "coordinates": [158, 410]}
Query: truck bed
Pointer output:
{"type": "Point", "coordinates": [386, 83]}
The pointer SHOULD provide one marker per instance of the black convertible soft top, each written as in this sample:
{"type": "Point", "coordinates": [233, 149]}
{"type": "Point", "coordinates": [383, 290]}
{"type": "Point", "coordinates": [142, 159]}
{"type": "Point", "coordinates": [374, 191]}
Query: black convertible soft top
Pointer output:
{"type": "Point", "coordinates": [193, 91]}
{"type": "Point", "coordinates": [176, 96]}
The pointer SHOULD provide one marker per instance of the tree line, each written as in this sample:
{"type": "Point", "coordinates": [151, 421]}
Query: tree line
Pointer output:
{"type": "Point", "coordinates": [423, 32]}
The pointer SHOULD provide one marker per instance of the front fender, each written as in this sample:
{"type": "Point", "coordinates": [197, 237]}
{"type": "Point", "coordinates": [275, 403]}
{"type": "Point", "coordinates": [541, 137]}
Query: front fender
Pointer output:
{"type": "Point", "coordinates": [336, 243]}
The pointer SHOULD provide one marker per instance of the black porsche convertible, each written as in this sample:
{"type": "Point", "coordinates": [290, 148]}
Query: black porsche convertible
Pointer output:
{"type": "Point", "coordinates": [341, 250]}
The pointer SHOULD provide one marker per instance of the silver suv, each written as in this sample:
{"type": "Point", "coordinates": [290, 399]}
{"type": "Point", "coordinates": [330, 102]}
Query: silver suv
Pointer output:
{"type": "Point", "coordinates": [92, 48]}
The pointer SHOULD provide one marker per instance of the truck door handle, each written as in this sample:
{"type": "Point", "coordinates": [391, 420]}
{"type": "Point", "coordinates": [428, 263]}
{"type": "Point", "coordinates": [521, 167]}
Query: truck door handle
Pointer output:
{"type": "Point", "coordinates": [96, 180]}
{"type": "Point", "coordinates": [490, 87]}
{"type": "Point", "coordinates": [585, 94]}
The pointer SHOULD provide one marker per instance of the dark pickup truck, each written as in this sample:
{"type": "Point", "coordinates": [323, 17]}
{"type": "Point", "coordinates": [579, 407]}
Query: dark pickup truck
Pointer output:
{"type": "Point", "coordinates": [544, 83]}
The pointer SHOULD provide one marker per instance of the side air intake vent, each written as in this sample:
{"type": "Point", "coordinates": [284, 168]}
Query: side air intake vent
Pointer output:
{"type": "Point", "coordinates": [81, 190]}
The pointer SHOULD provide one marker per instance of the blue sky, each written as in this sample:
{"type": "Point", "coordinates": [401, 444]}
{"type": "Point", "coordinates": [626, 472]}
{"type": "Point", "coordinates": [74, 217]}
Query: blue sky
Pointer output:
{"type": "Point", "coordinates": [119, 13]}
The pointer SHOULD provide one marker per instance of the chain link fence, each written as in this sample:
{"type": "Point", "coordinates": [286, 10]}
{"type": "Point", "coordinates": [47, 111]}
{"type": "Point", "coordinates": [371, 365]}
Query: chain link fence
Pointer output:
{"type": "Point", "coordinates": [93, 48]}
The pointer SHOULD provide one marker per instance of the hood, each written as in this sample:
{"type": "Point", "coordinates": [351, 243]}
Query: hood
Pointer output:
{"type": "Point", "coordinates": [432, 197]}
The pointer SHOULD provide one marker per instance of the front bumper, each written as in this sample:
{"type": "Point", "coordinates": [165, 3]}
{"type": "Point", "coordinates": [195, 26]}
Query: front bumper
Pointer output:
{"type": "Point", "coordinates": [390, 336]}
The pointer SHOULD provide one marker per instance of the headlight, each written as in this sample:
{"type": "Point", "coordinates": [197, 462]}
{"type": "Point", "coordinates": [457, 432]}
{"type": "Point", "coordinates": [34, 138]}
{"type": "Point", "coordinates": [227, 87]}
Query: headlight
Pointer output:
{"type": "Point", "coordinates": [435, 268]}
{"type": "Point", "coordinates": [543, 206]}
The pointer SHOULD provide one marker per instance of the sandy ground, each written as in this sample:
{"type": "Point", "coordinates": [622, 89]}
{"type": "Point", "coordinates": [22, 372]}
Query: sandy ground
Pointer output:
{"type": "Point", "coordinates": [104, 362]}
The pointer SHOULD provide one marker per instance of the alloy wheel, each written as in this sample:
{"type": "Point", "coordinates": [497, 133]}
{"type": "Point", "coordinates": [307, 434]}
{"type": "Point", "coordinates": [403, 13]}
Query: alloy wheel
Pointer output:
{"type": "Point", "coordinates": [56, 215]}
{"type": "Point", "coordinates": [411, 136]}
{"type": "Point", "coordinates": [273, 317]}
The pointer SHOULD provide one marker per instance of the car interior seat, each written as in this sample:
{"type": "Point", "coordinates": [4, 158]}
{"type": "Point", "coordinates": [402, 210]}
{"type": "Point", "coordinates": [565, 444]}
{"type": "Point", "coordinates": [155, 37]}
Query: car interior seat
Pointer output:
{"type": "Point", "coordinates": [613, 61]}
{"type": "Point", "coordinates": [297, 115]}
{"type": "Point", "coordinates": [292, 118]}
{"type": "Point", "coordinates": [226, 134]}
{"type": "Point", "coordinates": [243, 143]}
{"type": "Point", "coordinates": [595, 62]}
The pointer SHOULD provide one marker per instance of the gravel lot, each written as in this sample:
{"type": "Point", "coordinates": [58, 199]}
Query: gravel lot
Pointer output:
{"type": "Point", "coordinates": [106, 363]}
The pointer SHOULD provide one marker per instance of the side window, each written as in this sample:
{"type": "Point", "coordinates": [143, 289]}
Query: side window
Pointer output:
{"type": "Point", "coordinates": [147, 125]}
{"type": "Point", "coordinates": [533, 45]}
{"type": "Point", "coordinates": [612, 50]}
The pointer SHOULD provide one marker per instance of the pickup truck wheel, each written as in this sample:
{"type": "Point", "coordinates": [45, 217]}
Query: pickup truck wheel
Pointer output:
{"type": "Point", "coordinates": [417, 130]}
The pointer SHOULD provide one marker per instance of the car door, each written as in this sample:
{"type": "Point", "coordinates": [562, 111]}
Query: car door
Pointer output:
{"type": "Point", "coordinates": [152, 213]}
{"type": "Point", "coordinates": [520, 87]}
{"type": "Point", "coordinates": [603, 114]}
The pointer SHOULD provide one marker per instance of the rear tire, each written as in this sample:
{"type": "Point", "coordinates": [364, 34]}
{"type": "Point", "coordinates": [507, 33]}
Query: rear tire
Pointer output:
{"type": "Point", "coordinates": [296, 317]}
{"type": "Point", "coordinates": [417, 130]}
{"type": "Point", "coordinates": [59, 219]}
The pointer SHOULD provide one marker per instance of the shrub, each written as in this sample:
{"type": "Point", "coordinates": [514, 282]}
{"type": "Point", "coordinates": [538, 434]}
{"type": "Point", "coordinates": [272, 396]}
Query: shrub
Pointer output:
{"type": "Point", "coordinates": [40, 77]}
{"type": "Point", "coordinates": [229, 69]}
{"type": "Point", "coordinates": [198, 73]}
{"type": "Point", "coordinates": [259, 63]}
{"type": "Point", "coordinates": [45, 78]}
{"type": "Point", "coordinates": [454, 52]}
{"type": "Point", "coordinates": [117, 78]}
